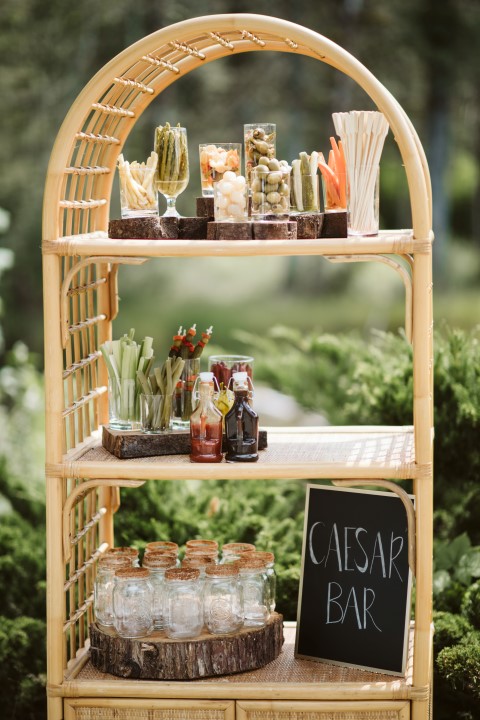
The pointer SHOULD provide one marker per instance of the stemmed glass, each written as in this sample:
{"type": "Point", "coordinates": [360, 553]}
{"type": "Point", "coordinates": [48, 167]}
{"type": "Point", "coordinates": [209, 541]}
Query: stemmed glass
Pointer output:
{"type": "Point", "coordinates": [172, 170]}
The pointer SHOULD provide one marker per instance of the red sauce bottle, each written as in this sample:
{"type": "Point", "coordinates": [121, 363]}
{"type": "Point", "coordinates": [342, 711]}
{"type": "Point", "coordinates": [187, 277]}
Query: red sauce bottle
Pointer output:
{"type": "Point", "coordinates": [206, 425]}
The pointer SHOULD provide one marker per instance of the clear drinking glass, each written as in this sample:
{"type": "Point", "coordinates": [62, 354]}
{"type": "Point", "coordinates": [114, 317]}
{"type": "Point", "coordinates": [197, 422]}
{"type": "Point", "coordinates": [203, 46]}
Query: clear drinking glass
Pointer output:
{"type": "Point", "coordinates": [260, 142]}
{"type": "Point", "coordinates": [104, 584]}
{"type": "Point", "coordinates": [138, 194]}
{"type": "Point", "coordinates": [173, 171]}
{"type": "Point", "coordinates": [270, 190]}
{"type": "Point", "coordinates": [231, 199]}
{"type": "Point", "coordinates": [256, 602]}
{"type": "Point", "coordinates": [223, 367]}
{"type": "Point", "coordinates": [363, 200]}
{"type": "Point", "coordinates": [133, 602]}
{"type": "Point", "coordinates": [183, 606]}
{"type": "Point", "coordinates": [158, 565]}
{"type": "Point", "coordinates": [223, 604]}
{"type": "Point", "coordinates": [184, 402]}
{"type": "Point", "coordinates": [123, 409]}
{"type": "Point", "coordinates": [155, 413]}
{"type": "Point", "coordinates": [216, 160]}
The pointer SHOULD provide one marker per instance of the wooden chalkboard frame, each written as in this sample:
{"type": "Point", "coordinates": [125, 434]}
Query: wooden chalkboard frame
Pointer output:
{"type": "Point", "coordinates": [305, 614]}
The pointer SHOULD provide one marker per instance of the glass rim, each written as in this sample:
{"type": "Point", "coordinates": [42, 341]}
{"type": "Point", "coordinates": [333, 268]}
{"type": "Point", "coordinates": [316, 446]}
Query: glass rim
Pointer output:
{"type": "Point", "coordinates": [231, 358]}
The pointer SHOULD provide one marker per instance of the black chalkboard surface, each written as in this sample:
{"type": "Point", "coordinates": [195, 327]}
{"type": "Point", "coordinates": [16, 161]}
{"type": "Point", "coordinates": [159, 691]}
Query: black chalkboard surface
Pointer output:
{"type": "Point", "coordinates": [355, 584]}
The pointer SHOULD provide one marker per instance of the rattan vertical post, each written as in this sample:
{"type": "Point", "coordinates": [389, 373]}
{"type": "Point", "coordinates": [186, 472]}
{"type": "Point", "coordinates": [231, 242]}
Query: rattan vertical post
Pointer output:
{"type": "Point", "coordinates": [80, 274]}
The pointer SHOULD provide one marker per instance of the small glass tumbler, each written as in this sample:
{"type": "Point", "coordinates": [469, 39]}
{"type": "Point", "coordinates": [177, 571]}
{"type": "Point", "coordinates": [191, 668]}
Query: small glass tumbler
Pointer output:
{"type": "Point", "coordinates": [123, 409]}
{"type": "Point", "coordinates": [184, 402]}
{"type": "Point", "coordinates": [222, 599]}
{"type": "Point", "coordinates": [363, 200]}
{"type": "Point", "coordinates": [270, 190]}
{"type": "Point", "coordinates": [335, 193]}
{"type": "Point", "coordinates": [158, 565]}
{"type": "Point", "coordinates": [138, 192]}
{"type": "Point", "coordinates": [133, 602]}
{"type": "Point", "coordinates": [183, 606]}
{"type": "Point", "coordinates": [306, 194]}
{"type": "Point", "coordinates": [155, 413]}
{"type": "Point", "coordinates": [215, 161]}
{"type": "Point", "coordinates": [103, 587]}
{"type": "Point", "coordinates": [256, 601]}
{"type": "Point", "coordinates": [231, 199]}
{"type": "Point", "coordinates": [260, 142]}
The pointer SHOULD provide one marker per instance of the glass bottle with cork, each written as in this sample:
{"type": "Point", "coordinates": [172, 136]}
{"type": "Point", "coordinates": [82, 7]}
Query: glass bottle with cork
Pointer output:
{"type": "Point", "coordinates": [241, 423]}
{"type": "Point", "coordinates": [206, 424]}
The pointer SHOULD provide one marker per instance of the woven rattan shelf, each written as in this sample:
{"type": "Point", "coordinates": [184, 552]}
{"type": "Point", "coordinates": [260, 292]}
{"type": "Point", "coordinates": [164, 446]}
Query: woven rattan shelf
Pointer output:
{"type": "Point", "coordinates": [397, 242]}
{"type": "Point", "coordinates": [284, 678]}
{"type": "Point", "coordinates": [302, 453]}
{"type": "Point", "coordinates": [80, 266]}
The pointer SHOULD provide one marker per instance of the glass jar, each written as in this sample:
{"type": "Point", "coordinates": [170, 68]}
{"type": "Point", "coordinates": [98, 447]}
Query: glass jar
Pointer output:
{"type": "Point", "coordinates": [158, 564]}
{"type": "Point", "coordinates": [129, 552]}
{"type": "Point", "coordinates": [133, 602]}
{"type": "Point", "coordinates": [231, 199]}
{"type": "Point", "coordinates": [222, 599]}
{"type": "Point", "coordinates": [260, 142]}
{"type": "Point", "coordinates": [270, 190]}
{"type": "Point", "coordinates": [215, 161]}
{"type": "Point", "coordinates": [183, 606]}
{"type": "Point", "coordinates": [233, 551]}
{"type": "Point", "coordinates": [184, 401]}
{"type": "Point", "coordinates": [103, 587]}
{"type": "Point", "coordinates": [138, 195]}
{"type": "Point", "coordinates": [210, 553]}
{"type": "Point", "coordinates": [256, 602]}
{"type": "Point", "coordinates": [200, 562]}
{"type": "Point", "coordinates": [163, 547]}
{"type": "Point", "coordinates": [269, 559]}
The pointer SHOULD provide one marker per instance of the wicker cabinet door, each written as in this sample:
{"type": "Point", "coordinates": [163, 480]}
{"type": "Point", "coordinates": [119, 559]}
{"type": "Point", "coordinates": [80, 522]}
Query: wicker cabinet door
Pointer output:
{"type": "Point", "coordinates": [323, 710]}
{"type": "Point", "coordinates": [126, 709]}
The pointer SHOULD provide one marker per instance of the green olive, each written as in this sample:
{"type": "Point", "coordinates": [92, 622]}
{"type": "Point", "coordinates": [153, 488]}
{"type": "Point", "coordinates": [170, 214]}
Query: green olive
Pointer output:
{"type": "Point", "coordinates": [258, 198]}
{"type": "Point", "coordinates": [262, 146]}
{"type": "Point", "coordinates": [256, 185]}
{"type": "Point", "coordinates": [284, 189]}
{"type": "Point", "coordinates": [273, 198]}
{"type": "Point", "coordinates": [273, 164]}
{"type": "Point", "coordinates": [263, 161]}
{"type": "Point", "coordinates": [261, 170]}
{"type": "Point", "coordinates": [274, 178]}
{"type": "Point", "coordinates": [270, 187]}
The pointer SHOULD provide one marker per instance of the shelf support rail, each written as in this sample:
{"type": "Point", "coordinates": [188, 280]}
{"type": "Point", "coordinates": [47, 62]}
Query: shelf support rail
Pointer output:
{"type": "Point", "coordinates": [66, 292]}
{"type": "Point", "coordinates": [404, 497]}
{"type": "Point", "coordinates": [399, 269]}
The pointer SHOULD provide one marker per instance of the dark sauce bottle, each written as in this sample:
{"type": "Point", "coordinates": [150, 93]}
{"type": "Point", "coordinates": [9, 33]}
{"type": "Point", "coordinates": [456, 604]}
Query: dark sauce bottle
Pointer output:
{"type": "Point", "coordinates": [241, 424]}
{"type": "Point", "coordinates": [206, 425]}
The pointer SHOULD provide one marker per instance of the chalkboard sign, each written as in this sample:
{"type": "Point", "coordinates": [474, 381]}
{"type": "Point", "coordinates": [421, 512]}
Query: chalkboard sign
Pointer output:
{"type": "Point", "coordinates": [355, 585]}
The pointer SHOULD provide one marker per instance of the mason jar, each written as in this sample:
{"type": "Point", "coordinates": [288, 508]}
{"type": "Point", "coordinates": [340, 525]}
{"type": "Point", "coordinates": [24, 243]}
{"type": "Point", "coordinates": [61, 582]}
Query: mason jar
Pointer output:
{"type": "Point", "coordinates": [209, 548]}
{"type": "Point", "coordinates": [158, 565]}
{"type": "Point", "coordinates": [256, 602]}
{"type": "Point", "coordinates": [183, 606]}
{"type": "Point", "coordinates": [129, 552]}
{"type": "Point", "coordinates": [222, 599]}
{"type": "Point", "coordinates": [103, 587]}
{"type": "Point", "coordinates": [133, 602]}
{"type": "Point", "coordinates": [201, 562]}
{"type": "Point", "coordinates": [233, 551]}
{"type": "Point", "coordinates": [163, 547]}
{"type": "Point", "coordinates": [269, 559]}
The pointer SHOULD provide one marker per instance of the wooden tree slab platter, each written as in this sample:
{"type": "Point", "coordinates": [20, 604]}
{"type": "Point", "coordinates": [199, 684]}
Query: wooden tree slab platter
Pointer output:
{"type": "Point", "coordinates": [134, 444]}
{"type": "Point", "coordinates": [156, 657]}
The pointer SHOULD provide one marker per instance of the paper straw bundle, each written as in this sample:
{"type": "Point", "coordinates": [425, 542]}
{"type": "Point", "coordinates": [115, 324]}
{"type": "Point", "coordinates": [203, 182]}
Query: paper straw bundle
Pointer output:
{"type": "Point", "coordinates": [363, 135]}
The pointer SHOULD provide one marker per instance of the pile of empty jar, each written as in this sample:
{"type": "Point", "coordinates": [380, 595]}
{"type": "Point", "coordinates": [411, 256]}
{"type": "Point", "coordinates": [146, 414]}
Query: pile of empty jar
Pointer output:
{"type": "Point", "coordinates": [202, 593]}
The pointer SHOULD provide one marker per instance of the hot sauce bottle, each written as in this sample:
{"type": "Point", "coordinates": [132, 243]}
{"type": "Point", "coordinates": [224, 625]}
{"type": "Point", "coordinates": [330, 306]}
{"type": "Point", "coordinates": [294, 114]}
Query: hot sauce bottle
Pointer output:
{"type": "Point", "coordinates": [206, 424]}
{"type": "Point", "coordinates": [241, 424]}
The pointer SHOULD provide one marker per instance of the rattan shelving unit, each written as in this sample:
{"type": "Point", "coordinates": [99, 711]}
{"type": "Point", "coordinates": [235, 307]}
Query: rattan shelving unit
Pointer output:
{"type": "Point", "coordinates": [80, 265]}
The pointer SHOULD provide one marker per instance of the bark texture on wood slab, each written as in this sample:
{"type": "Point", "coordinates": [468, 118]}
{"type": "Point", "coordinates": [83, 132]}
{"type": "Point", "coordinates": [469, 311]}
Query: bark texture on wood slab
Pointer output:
{"type": "Point", "coordinates": [271, 230]}
{"type": "Point", "coordinates": [192, 228]}
{"type": "Point", "coordinates": [144, 228]}
{"type": "Point", "coordinates": [205, 207]}
{"type": "Point", "coordinates": [309, 225]}
{"type": "Point", "coordinates": [127, 445]}
{"type": "Point", "coordinates": [334, 225]}
{"type": "Point", "coordinates": [229, 231]}
{"type": "Point", "coordinates": [156, 657]}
